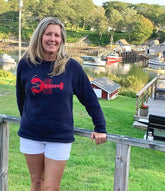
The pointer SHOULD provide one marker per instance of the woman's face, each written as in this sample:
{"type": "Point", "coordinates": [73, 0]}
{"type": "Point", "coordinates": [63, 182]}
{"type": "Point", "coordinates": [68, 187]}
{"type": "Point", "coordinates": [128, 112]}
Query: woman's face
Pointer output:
{"type": "Point", "coordinates": [51, 41]}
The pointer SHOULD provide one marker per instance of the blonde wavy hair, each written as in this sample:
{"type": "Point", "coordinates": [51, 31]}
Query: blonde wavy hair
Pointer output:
{"type": "Point", "coordinates": [35, 49]}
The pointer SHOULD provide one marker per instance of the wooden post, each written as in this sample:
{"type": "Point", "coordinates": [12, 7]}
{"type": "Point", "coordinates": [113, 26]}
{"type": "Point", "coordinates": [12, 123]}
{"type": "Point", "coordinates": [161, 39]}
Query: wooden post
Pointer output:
{"type": "Point", "coordinates": [147, 95]}
{"type": "Point", "coordinates": [137, 105]}
{"type": "Point", "coordinates": [151, 91]}
{"type": "Point", "coordinates": [122, 167]}
{"type": "Point", "coordinates": [4, 146]}
{"type": "Point", "coordinates": [20, 8]}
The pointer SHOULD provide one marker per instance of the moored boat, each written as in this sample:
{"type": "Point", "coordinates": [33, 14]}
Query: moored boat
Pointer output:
{"type": "Point", "coordinates": [89, 58]}
{"type": "Point", "coordinates": [5, 58]}
{"type": "Point", "coordinates": [96, 62]}
{"type": "Point", "coordinates": [7, 62]}
{"type": "Point", "coordinates": [113, 58]}
{"type": "Point", "coordinates": [157, 63]}
{"type": "Point", "coordinates": [101, 60]}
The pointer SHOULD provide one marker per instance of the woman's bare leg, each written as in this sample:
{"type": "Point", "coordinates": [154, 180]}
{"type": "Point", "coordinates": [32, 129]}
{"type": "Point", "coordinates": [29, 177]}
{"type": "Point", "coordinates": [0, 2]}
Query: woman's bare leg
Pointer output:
{"type": "Point", "coordinates": [53, 174]}
{"type": "Point", "coordinates": [35, 164]}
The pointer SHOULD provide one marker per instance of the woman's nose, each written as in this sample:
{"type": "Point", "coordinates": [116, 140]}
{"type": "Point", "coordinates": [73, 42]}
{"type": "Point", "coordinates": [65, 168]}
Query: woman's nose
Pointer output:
{"type": "Point", "coordinates": [52, 37]}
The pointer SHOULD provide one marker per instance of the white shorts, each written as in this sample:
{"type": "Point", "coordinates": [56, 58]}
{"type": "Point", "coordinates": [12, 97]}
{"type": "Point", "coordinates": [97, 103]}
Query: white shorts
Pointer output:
{"type": "Point", "coordinates": [51, 150]}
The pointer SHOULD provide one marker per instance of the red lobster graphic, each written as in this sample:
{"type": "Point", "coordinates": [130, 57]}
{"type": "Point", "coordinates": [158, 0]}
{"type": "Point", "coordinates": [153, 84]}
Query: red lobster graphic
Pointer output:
{"type": "Point", "coordinates": [39, 85]}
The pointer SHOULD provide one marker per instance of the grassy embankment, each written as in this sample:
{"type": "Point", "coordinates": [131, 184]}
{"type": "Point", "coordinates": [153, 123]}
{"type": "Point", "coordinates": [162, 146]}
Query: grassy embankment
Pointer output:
{"type": "Point", "coordinates": [91, 167]}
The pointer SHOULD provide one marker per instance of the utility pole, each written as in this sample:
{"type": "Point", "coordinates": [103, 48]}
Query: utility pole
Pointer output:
{"type": "Point", "coordinates": [20, 9]}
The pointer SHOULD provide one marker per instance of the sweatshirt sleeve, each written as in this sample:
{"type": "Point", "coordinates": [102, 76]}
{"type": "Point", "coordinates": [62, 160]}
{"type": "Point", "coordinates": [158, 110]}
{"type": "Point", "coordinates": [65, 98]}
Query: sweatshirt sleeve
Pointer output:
{"type": "Point", "coordinates": [20, 90]}
{"type": "Point", "coordinates": [86, 95]}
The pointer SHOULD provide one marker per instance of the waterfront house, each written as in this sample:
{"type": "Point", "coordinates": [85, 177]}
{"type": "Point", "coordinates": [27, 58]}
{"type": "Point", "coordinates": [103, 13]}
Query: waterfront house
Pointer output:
{"type": "Point", "coordinates": [156, 48]}
{"type": "Point", "coordinates": [124, 45]}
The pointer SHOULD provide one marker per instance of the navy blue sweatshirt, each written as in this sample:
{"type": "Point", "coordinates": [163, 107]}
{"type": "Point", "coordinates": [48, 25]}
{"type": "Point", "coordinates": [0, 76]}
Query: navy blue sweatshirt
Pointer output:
{"type": "Point", "coordinates": [45, 103]}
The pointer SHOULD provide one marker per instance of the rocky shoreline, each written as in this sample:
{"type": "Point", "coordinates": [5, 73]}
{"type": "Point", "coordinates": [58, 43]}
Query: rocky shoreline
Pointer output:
{"type": "Point", "coordinates": [11, 46]}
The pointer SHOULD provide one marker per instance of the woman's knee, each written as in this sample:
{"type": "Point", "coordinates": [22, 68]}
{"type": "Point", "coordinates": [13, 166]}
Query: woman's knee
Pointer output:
{"type": "Point", "coordinates": [37, 184]}
{"type": "Point", "coordinates": [51, 187]}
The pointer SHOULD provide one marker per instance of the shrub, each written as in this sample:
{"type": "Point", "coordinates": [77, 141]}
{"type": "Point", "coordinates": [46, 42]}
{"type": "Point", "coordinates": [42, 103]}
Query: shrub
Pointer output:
{"type": "Point", "coordinates": [127, 92]}
{"type": "Point", "coordinates": [6, 74]}
{"type": "Point", "coordinates": [7, 77]}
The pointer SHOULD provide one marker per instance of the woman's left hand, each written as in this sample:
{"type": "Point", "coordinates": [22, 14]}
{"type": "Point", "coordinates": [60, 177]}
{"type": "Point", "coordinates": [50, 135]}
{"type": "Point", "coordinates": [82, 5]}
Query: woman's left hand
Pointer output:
{"type": "Point", "coordinates": [99, 137]}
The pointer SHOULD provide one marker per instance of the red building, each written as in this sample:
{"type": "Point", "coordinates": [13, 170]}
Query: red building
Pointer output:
{"type": "Point", "coordinates": [105, 88]}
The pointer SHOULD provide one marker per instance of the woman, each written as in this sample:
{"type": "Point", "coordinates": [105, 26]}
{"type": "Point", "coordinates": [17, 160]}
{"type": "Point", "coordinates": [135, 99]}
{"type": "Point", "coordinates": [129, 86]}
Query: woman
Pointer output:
{"type": "Point", "coordinates": [46, 81]}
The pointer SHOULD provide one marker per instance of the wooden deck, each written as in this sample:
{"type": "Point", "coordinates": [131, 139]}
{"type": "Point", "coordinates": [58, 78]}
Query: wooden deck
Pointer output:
{"type": "Point", "coordinates": [155, 100]}
{"type": "Point", "coordinates": [156, 107]}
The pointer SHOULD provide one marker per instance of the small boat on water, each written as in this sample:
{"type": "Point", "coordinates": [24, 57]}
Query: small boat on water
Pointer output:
{"type": "Point", "coordinates": [89, 58]}
{"type": "Point", "coordinates": [7, 62]}
{"type": "Point", "coordinates": [113, 58]}
{"type": "Point", "coordinates": [157, 63]}
{"type": "Point", "coordinates": [96, 61]}
{"type": "Point", "coordinates": [5, 58]}
{"type": "Point", "coordinates": [101, 60]}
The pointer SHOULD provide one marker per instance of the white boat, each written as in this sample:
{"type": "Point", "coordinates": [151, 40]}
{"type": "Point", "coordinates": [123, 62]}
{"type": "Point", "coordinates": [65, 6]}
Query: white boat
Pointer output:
{"type": "Point", "coordinates": [89, 58]}
{"type": "Point", "coordinates": [7, 62]}
{"type": "Point", "coordinates": [102, 60]}
{"type": "Point", "coordinates": [97, 61]}
{"type": "Point", "coordinates": [157, 63]}
{"type": "Point", "coordinates": [5, 58]}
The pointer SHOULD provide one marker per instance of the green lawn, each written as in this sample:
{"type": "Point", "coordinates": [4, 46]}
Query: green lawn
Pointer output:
{"type": "Point", "coordinates": [91, 167]}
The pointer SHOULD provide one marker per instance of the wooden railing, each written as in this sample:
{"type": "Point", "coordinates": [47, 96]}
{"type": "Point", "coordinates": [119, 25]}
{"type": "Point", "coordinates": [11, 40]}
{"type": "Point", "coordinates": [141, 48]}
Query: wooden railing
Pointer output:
{"type": "Point", "coordinates": [123, 149]}
{"type": "Point", "coordinates": [146, 93]}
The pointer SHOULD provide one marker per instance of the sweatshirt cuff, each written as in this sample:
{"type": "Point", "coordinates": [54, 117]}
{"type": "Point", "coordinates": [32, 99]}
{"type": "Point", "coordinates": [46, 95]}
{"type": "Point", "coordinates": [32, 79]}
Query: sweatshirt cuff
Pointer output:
{"type": "Point", "coordinates": [100, 130]}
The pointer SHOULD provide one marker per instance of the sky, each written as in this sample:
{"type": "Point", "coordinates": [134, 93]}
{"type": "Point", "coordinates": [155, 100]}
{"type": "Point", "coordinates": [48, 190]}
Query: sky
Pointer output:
{"type": "Point", "coordinates": [160, 2]}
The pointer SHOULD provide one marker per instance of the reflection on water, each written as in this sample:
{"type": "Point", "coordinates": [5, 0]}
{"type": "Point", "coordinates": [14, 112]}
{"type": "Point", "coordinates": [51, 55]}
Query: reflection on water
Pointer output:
{"type": "Point", "coordinates": [116, 68]}
{"type": "Point", "coordinates": [119, 69]}
{"type": "Point", "coordinates": [14, 54]}
{"type": "Point", "coordinates": [94, 69]}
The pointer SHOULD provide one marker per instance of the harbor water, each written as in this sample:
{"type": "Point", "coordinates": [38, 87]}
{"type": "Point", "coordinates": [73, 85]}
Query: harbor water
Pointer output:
{"type": "Point", "coordinates": [120, 69]}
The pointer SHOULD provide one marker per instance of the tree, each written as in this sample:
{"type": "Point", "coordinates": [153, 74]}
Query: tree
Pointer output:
{"type": "Point", "coordinates": [29, 13]}
{"type": "Point", "coordinates": [129, 16]}
{"type": "Point", "coordinates": [83, 10]}
{"type": "Point", "coordinates": [142, 30]}
{"type": "Point", "coordinates": [13, 5]}
{"type": "Point", "coordinates": [62, 10]}
{"type": "Point", "coordinates": [161, 20]}
{"type": "Point", "coordinates": [151, 12]}
{"type": "Point", "coordinates": [100, 21]}
{"type": "Point", "coordinates": [117, 5]}
{"type": "Point", "coordinates": [9, 22]}
{"type": "Point", "coordinates": [73, 12]}
{"type": "Point", "coordinates": [4, 6]}
{"type": "Point", "coordinates": [66, 13]}
{"type": "Point", "coordinates": [45, 8]}
{"type": "Point", "coordinates": [115, 18]}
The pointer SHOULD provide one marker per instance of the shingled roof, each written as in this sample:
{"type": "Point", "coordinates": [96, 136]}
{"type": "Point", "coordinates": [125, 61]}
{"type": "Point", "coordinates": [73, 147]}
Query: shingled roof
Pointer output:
{"type": "Point", "coordinates": [106, 84]}
{"type": "Point", "coordinates": [122, 42]}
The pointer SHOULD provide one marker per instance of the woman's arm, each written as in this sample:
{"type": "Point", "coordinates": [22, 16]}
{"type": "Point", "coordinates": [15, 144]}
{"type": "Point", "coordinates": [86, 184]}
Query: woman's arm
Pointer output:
{"type": "Point", "coordinates": [20, 91]}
